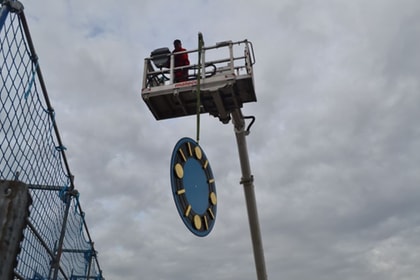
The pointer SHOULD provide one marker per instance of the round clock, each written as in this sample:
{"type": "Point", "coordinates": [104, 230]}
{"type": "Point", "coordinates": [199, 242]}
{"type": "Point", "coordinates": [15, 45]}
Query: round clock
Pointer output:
{"type": "Point", "coordinates": [193, 187]}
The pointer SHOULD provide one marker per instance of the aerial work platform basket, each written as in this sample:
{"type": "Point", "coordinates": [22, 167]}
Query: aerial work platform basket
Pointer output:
{"type": "Point", "coordinates": [226, 81]}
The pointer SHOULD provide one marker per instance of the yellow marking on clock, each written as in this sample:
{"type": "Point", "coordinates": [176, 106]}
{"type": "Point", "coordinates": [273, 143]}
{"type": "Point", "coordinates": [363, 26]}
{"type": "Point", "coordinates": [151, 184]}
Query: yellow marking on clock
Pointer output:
{"type": "Point", "coordinates": [181, 191]}
{"type": "Point", "coordinates": [211, 213]}
{"type": "Point", "coordinates": [206, 224]}
{"type": "Point", "coordinates": [213, 198]}
{"type": "Point", "coordinates": [211, 181]}
{"type": "Point", "coordinates": [187, 211]}
{"type": "Point", "coordinates": [182, 154]}
{"type": "Point", "coordinates": [197, 222]}
{"type": "Point", "coordinates": [205, 164]}
{"type": "Point", "coordinates": [179, 171]}
{"type": "Point", "coordinates": [189, 149]}
{"type": "Point", "coordinates": [198, 153]}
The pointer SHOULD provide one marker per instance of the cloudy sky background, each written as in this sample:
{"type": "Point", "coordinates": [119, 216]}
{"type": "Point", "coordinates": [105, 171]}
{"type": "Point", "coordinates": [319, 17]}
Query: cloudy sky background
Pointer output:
{"type": "Point", "coordinates": [335, 149]}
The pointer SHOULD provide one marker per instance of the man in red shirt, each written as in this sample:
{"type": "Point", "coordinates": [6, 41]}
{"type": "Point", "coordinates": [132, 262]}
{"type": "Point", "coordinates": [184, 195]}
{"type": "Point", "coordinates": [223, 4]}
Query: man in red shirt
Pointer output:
{"type": "Point", "coordinates": [180, 60]}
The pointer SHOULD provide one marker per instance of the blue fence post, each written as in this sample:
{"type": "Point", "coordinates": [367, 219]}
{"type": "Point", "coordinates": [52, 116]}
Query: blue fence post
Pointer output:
{"type": "Point", "coordinates": [3, 14]}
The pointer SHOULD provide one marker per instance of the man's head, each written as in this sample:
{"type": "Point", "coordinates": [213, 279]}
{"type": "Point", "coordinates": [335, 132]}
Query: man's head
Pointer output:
{"type": "Point", "coordinates": [177, 44]}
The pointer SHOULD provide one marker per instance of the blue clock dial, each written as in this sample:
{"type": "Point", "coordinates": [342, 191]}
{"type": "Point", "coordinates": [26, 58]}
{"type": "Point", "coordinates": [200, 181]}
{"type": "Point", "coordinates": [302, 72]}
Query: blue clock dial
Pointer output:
{"type": "Point", "coordinates": [193, 187]}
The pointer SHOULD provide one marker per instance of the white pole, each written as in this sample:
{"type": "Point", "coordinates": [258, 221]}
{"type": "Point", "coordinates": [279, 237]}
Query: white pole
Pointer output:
{"type": "Point", "coordinates": [251, 204]}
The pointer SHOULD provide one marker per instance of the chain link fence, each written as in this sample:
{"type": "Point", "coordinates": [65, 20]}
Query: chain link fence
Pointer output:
{"type": "Point", "coordinates": [55, 242]}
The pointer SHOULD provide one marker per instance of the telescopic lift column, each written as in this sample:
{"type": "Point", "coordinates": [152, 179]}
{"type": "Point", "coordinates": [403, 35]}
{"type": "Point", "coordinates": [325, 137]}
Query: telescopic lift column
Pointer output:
{"type": "Point", "coordinates": [248, 182]}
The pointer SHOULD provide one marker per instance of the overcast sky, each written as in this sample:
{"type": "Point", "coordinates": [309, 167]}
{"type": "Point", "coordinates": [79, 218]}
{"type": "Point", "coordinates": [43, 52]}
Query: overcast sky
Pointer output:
{"type": "Point", "coordinates": [335, 149]}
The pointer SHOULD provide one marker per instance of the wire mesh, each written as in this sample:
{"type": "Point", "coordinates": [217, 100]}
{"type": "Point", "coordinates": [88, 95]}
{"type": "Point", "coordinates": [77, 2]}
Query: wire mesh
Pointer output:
{"type": "Point", "coordinates": [56, 243]}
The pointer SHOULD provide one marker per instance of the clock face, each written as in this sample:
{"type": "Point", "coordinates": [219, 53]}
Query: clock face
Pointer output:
{"type": "Point", "coordinates": [193, 187]}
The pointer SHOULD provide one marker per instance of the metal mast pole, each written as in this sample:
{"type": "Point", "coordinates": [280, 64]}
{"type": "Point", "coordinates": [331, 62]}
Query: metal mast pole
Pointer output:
{"type": "Point", "coordinates": [251, 204]}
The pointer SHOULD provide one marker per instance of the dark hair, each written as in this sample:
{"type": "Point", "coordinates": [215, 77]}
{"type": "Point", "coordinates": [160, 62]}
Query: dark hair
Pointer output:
{"type": "Point", "coordinates": [177, 41]}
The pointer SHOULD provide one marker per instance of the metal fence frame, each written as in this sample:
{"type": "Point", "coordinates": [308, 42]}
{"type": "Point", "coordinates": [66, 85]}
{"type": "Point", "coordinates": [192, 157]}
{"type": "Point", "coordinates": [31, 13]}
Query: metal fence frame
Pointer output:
{"type": "Point", "coordinates": [56, 242]}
